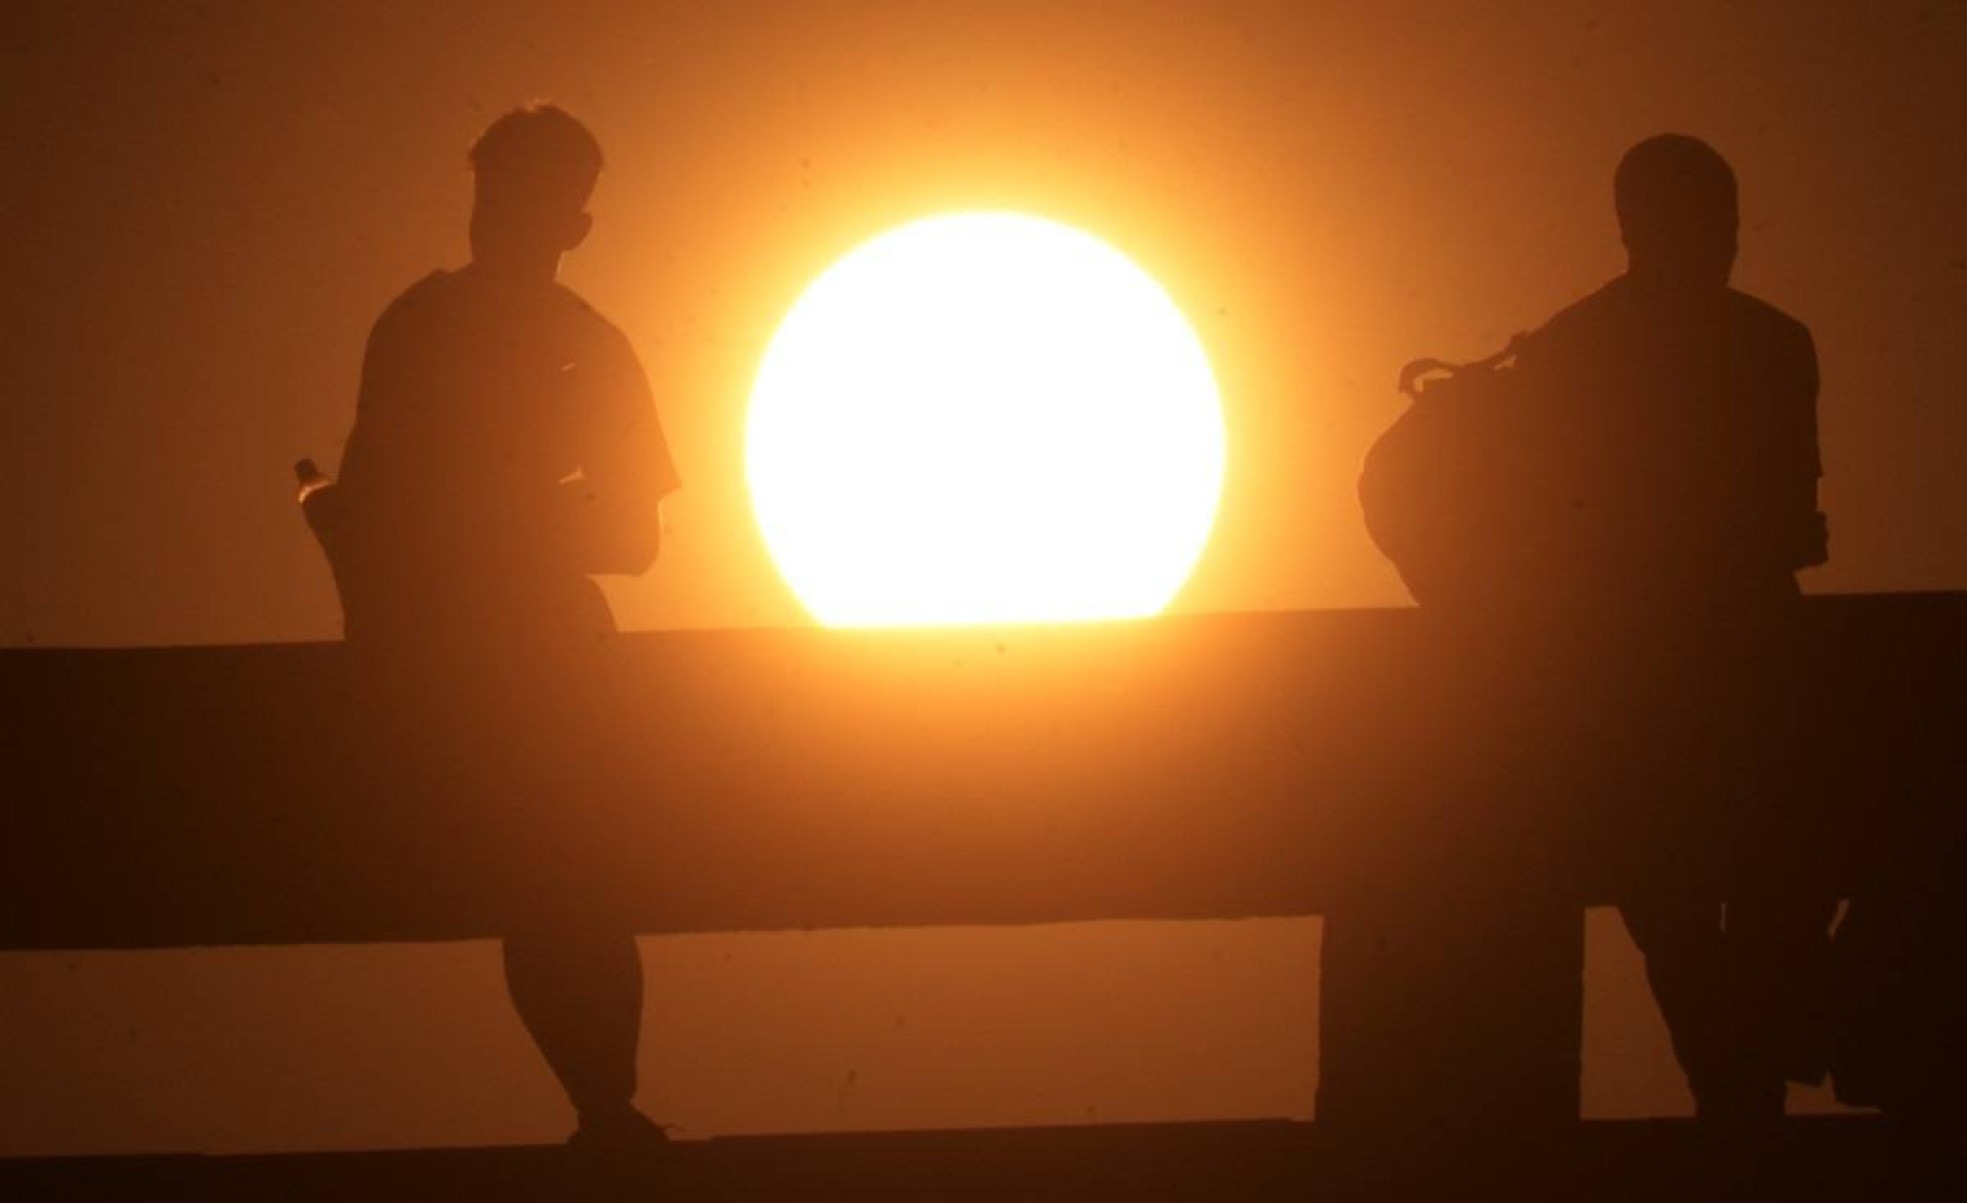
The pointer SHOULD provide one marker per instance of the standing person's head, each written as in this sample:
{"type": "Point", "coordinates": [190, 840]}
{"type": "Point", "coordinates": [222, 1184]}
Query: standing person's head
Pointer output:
{"type": "Point", "coordinates": [534, 170]}
{"type": "Point", "coordinates": [1677, 211]}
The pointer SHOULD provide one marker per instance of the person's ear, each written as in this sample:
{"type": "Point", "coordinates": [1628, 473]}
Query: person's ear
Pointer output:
{"type": "Point", "coordinates": [577, 230]}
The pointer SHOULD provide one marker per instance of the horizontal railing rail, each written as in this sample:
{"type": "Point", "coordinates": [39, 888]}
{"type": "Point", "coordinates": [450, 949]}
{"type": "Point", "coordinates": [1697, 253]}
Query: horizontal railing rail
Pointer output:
{"type": "Point", "coordinates": [1180, 768]}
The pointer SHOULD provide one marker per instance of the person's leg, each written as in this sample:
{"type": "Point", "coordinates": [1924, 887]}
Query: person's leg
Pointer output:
{"type": "Point", "coordinates": [1699, 990]}
{"type": "Point", "coordinates": [580, 997]}
{"type": "Point", "coordinates": [1779, 941]}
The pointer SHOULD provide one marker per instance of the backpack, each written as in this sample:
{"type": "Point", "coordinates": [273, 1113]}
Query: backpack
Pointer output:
{"type": "Point", "coordinates": [323, 505]}
{"type": "Point", "coordinates": [1450, 492]}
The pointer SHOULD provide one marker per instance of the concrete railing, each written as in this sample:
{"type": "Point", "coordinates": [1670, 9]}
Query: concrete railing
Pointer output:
{"type": "Point", "coordinates": [1376, 763]}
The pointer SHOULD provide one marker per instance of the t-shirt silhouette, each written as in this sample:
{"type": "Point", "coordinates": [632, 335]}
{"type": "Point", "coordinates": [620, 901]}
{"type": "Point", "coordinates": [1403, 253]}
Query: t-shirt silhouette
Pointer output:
{"type": "Point", "coordinates": [505, 447]}
{"type": "Point", "coordinates": [1683, 444]}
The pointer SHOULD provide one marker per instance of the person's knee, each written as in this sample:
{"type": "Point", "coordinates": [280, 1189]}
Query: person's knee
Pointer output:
{"type": "Point", "coordinates": [570, 948]}
{"type": "Point", "coordinates": [1670, 924]}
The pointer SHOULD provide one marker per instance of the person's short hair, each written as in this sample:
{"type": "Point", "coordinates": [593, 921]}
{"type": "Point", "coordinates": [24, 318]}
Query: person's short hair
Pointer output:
{"type": "Point", "coordinates": [1673, 183]}
{"type": "Point", "coordinates": [539, 147]}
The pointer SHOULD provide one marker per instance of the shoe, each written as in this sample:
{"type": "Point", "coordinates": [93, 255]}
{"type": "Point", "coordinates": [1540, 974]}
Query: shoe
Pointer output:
{"type": "Point", "coordinates": [620, 1134]}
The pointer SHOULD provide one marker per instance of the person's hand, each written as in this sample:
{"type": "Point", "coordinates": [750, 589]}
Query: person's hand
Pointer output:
{"type": "Point", "coordinates": [311, 478]}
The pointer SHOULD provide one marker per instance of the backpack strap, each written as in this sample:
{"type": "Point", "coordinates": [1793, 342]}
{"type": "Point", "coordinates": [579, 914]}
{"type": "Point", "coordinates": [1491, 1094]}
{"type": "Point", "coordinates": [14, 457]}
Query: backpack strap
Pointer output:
{"type": "Point", "coordinates": [1412, 377]}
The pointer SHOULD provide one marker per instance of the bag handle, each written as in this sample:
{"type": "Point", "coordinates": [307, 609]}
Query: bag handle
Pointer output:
{"type": "Point", "coordinates": [1412, 376]}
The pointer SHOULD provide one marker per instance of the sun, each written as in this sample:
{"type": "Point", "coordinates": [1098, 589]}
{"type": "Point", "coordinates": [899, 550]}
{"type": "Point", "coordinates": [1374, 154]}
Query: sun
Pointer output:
{"type": "Point", "coordinates": [984, 418]}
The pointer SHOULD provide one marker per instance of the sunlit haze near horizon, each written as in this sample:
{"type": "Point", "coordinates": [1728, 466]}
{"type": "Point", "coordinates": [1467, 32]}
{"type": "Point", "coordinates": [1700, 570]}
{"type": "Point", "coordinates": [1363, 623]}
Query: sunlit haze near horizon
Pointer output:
{"type": "Point", "coordinates": [210, 203]}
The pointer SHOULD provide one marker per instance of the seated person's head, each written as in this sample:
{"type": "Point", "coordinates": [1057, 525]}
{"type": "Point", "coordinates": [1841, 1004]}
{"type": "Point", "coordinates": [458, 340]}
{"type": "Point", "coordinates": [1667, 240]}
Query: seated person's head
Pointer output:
{"type": "Point", "coordinates": [1677, 210]}
{"type": "Point", "coordinates": [534, 170]}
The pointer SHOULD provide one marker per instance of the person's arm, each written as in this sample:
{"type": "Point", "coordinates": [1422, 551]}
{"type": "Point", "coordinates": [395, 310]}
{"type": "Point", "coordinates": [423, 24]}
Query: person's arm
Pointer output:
{"type": "Point", "coordinates": [335, 509]}
{"type": "Point", "coordinates": [1805, 534]}
{"type": "Point", "coordinates": [376, 449]}
{"type": "Point", "coordinates": [613, 510]}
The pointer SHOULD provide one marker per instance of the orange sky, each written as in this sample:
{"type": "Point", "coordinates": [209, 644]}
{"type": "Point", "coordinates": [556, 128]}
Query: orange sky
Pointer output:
{"type": "Point", "coordinates": [210, 203]}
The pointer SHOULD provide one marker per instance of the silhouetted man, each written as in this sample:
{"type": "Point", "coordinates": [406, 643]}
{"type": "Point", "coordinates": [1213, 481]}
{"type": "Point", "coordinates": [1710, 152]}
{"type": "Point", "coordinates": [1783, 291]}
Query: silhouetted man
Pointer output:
{"type": "Point", "coordinates": [506, 447]}
{"type": "Point", "coordinates": [1680, 418]}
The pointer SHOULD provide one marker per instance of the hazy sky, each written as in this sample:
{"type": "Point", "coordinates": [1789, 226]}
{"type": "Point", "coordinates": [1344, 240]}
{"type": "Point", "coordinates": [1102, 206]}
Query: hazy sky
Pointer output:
{"type": "Point", "coordinates": [207, 204]}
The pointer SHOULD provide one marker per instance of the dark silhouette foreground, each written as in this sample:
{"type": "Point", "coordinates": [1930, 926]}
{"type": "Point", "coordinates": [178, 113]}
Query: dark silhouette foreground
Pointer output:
{"type": "Point", "coordinates": [505, 448]}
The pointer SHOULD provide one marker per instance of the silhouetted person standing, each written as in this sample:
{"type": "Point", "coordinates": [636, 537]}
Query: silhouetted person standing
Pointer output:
{"type": "Point", "coordinates": [1680, 418]}
{"type": "Point", "coordinates": [506, 447]}
{"type": "Point", "coordinates": [1683, 411]}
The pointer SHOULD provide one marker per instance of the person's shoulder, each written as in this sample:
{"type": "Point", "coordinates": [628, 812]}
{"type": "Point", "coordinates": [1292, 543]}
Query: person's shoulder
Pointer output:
{"type": "Point", "coordinates": [1758, 317]}
{"type": "Point", "coordinates": [1609, 297]}
{"type": "Point", "coordinates": [588, 325]}
{"type": "Point", "coordinates": [1772, 338]}
{"type": "Point", "coordinates": [1582, 323]}
{"type": "Point", "coordinates": [576, 307]}
{"type": "Point", "coordinates": [433, 293]}
{"type": "Point", "coordinates": [440, 287]}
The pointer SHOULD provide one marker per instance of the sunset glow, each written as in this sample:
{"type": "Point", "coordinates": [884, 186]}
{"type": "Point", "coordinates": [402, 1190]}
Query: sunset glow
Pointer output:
{"type": "Point", "coordinates": [984, 417]}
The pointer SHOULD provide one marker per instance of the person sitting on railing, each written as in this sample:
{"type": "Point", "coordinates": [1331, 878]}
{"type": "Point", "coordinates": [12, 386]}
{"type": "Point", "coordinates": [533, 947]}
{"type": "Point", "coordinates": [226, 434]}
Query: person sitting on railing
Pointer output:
{"type": "Point", "coordinates": [505, 448]}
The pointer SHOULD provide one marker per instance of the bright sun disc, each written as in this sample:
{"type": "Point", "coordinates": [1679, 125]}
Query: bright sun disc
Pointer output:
{"type": "Point", "coordinates": [983, 418]}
